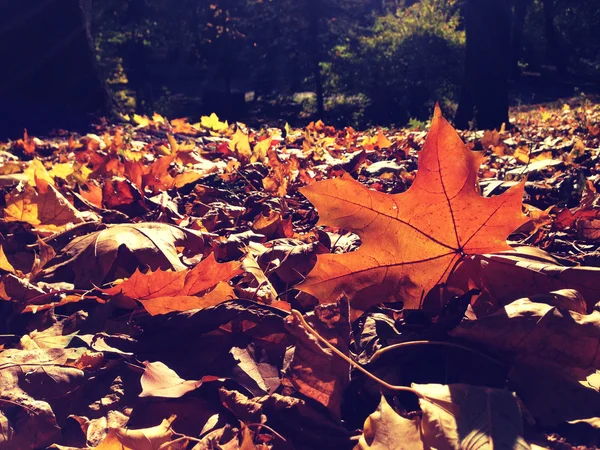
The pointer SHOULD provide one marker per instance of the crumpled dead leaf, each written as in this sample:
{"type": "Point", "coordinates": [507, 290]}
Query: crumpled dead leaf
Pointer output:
{"type": "Point", "coordinates": [158, 380]}
{"type": "Point", "coordinates": [385, 429]}
{"type": "Point", "coordinates": [161, 292]}
{"type": "Point", "coordinates": [45, 208]}
{"type": "Point", "coordinates": [524, 272]}
{"type": "Point", "coordinates": [314, 370]}
{"type": "Point", "coordinates": [117, 251]}
{"type": "Point", "coordinates": [529, 328]}
{"type": "Point", "coordinates": [143, 439]}
{"type": "Point", "coordinates": [460, 416]}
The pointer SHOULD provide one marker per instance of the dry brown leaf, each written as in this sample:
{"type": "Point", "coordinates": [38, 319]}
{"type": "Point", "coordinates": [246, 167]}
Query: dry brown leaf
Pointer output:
{"type": "Point", "coordinates": [464, 417]}
{"type": "Point", "coordinates": [161, 292]}
{"type": "Point", "coordinates": [158, 380]}
{"type": "Point", "coordinates": [411, 241]}
{"type": "Point", "coordinates": [25, 376]}
{"type": "Point", "coordinates": [4, 263]}
{"type": "Point", "coordinates": [385, 429]}
{"type": "Point", "coordinates": [44, 208]}
{"type": "Point", "coordinates": [530, 329]}
{"type": "Point", "coordinates": [525, 272]}
{"type": "Point", "coordinates": [118, 250]}
{"type": "Point", "coordinates": [314, 370]}
{"type": "Point", "coordinates": [144, 439]}
{"type": "Point", "coordinates": [554, 393]}
{"type": "Point", "coordinates": [43, 256]}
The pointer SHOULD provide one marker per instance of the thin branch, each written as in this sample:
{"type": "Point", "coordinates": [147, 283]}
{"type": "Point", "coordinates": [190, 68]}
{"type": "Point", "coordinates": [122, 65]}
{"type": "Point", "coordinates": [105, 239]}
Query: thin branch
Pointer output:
{"type": "Point", "coordinates": [357, 366]}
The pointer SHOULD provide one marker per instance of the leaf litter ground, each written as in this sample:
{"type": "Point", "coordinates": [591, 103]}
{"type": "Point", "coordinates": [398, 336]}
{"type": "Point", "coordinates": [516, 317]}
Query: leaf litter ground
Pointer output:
{"type": "Point", "coordinates": [149, 271]}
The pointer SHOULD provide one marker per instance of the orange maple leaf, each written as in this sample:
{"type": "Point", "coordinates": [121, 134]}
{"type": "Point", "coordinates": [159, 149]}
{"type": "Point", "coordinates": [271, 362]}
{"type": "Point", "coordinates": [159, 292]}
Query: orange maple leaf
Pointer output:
{"type": "Point", "coordinates": [411, 241]}
{"type": "Point", "coordinates": [161, 292]}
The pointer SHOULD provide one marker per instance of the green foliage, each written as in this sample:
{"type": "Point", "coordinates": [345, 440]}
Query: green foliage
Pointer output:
{"type": "Point", "coordinates": [379, 61]}
{"type": "Point", "coordinates": [578, 27]}
{"type": "Point", "coordinates": [408, 61]}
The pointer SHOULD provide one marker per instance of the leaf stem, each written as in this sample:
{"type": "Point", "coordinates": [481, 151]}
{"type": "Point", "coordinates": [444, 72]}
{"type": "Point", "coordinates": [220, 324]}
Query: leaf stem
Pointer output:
{"type": "Point", "coordinates": [389, 348]}
{"type": "Point", "coordinates": [354, 364]}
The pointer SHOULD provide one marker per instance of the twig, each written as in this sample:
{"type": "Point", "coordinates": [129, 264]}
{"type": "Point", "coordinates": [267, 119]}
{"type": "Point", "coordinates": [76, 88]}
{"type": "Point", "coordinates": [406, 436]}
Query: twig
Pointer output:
{"type": "Point", "coordinates": [389, 348]}
{"type": "Point", "coordinates": [271, 430]}
{"type": "Point", "coordinates": [357, 366]}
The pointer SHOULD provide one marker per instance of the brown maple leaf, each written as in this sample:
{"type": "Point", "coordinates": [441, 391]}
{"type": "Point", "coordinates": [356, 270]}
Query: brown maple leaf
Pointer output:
{"type": "Point", "coordinates": [411, 241]}
{"type": "Point", "coordinates": [161, 292]}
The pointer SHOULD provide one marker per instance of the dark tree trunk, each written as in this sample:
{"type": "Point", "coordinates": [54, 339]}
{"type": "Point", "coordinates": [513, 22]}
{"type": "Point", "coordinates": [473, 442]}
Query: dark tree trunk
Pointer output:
{"type": "Point", "coordinates": [49, 77]}
{"type": "Point", "coordinates": [517, 35]}
{"type": "Point", "coordinates": [552, 41]}
{"type": "Point", "coordinates": [315, 47]}
{"type": "Point", "coordinates": [484, 94]}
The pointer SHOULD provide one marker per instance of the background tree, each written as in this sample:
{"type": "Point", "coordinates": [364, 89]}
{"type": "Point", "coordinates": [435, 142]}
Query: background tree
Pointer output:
{"type": "Point", "coordinates": [349, 62]}
{"type": "Point", "coordinates": [484, 95]}
{"type": "Point", "coordinates": [49, 77]}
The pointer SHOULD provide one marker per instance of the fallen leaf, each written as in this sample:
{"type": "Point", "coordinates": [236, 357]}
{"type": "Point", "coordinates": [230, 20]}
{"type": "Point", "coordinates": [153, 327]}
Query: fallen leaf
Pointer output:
{"type": "Point", "coordinates": [260, 150]}
{"type": "Point", "coordinates": [118, 250]}
{"type": "Point", "coordinates": [161, 292]}
{"type": "Point", "coordinates": [385, 429]}
{"type": "Point", "coordinates": [143, 439]}
{"type": "Point", "coordinates": [240, 145]}
{"type": "Point", "coordinates": [461, 416]}
{"type": "Point", "coordinates": [44, 208]}
{"type": "Point", "coordinates": [528, 328]}
{"type": "Point", "coordinates": [508, 276]}
{"type": "Point", "coordinates": [43, 256]}
{"type": "Point", "coordinates": [4, 263]}
{"type": "Point", "coordinates": [36, 170]}
{"type": "Point", "coordinates": [158, 380]}
{"type": "Point", "coordinates": [316, 371]}
{"type": "Point", "coordinates": [411, 241]}
{"type": "Point", "coordinates": [213, 123]}
{"type": "Point", "coordinates": [554, 393]}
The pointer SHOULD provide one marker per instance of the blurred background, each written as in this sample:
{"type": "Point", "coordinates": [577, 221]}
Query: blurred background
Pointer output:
{"type": "Point", "coordinates": [68, 63]}
{"type": "Point", "coordinates": [359, 61]}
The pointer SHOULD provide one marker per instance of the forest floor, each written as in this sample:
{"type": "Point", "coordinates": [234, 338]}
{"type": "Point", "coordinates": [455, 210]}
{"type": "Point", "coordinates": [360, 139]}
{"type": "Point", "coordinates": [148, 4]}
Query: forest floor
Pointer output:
{"type": "Point", "coordinates": [169, 285]}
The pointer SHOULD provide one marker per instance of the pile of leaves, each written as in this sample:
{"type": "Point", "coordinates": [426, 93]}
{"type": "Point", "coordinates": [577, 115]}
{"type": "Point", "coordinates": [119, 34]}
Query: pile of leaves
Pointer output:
{"type": "Point", "coordinates": [165, 284]}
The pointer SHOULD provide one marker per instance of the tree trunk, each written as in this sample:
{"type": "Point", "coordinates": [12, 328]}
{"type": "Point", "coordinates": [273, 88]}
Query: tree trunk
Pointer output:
{"type": "Point", "coordinates": [517, 34]}
{"type": "Point", "coordinates": [49, 78]}
{"type": "Point", "coordinates": [315, 47]}
{"type": "Point", "coordinates": [553, 45]}
{"type": "Point", "coordinates": [484, 95]}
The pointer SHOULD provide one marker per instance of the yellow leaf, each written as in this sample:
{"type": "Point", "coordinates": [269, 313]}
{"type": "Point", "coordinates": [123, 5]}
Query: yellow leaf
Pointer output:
{"type": "Point", "coordinates": [382, 141]}
{"type": "Point", "coordinates": [157, 118]}
{"type": "Point", "coordinates": [141, 121]}
{"type": "Point", "coordinates": [81, 173]}
{"type": "Point", "coordinates": [4, 264]}
{"type": "Point", "coordinates": [142, 439]}
{"type": "Point", "coordinates": [213, 123]}
{"type": "Point", "coordinates": [260, 150]}
{"type": "Point", "coordinates": [240, 145]}
{"type": "Point", "coordinates": [61, 170]}
{"type": "Point", "coordinates": [46, 207]}
{"type": "Point", "coordinates": [173, 144]}
{"type": "Point", "coordinates": [131, 155]}
{"type": "Point", "coordinates": [37, 170]}
{"type": "Point", "coordinates": [22, 206]}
